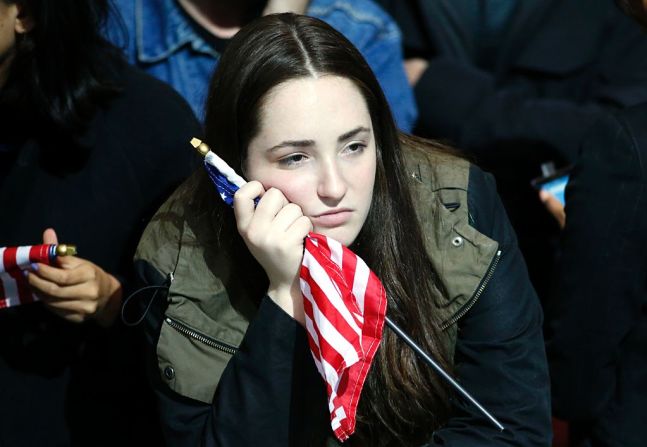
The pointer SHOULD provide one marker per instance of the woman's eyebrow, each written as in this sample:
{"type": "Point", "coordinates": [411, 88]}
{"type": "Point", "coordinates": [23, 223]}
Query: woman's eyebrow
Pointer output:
{"type": "Point", "coordinates": [352, 133]}
{"type": "Point", "coordinates": [292, 143]}
{"type": "Point", "coordinates": [307, 143]}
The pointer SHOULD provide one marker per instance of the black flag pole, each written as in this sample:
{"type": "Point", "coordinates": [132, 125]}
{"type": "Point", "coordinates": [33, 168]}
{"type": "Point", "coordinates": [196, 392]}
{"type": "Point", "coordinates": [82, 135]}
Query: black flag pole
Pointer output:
{"type": "Point", "coordinates": [431, 362]}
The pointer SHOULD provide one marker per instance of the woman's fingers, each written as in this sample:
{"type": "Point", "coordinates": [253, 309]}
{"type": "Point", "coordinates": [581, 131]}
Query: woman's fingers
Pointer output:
{"type": "Point", "coordinates": [301, 227]}
{"type": "Point", "coordinates": [244, 203]}
{"type": "Point", "coordinates": [49, 236]}
{"type": "Point", "coordinates": [78, 290]}
{"type": "Point", "coordinates": [69, 273]}
{"type": "Point", "coordinates": [286, 217]}
{"type": "Point", "coordinates": [256, 223]}
{"type": "Point", "coordinates": [272, 202]}
{"type": "Point", "coordinates": [86, 290]}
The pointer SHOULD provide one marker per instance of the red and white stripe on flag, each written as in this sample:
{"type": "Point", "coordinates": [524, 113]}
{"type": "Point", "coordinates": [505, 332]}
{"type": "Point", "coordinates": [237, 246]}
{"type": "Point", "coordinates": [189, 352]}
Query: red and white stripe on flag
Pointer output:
{"type": "Point", "coordinates": [345, 306]}
{"type": "Point", "coordinates": [14, 289]}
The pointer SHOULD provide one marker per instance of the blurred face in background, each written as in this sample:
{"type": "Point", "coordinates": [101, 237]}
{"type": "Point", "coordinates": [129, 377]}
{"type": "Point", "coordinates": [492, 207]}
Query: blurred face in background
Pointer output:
{"type": "Point", "coordinates": [12, 23]}
{"type": "Point", "coordinates": [8, 15]}
{"type": "Point", "coordinates": [636, 9]}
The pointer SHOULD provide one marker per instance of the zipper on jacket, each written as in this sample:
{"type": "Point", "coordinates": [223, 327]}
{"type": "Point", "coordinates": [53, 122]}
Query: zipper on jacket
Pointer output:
{"type": "Point", "coordinates": [479, 291]}
{"type": "Point", "coordinates": [202, 338]}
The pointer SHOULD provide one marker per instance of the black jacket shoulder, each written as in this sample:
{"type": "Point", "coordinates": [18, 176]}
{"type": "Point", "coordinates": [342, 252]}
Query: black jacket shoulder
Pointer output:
{"type": "Point", "coordinates": [499, 354]}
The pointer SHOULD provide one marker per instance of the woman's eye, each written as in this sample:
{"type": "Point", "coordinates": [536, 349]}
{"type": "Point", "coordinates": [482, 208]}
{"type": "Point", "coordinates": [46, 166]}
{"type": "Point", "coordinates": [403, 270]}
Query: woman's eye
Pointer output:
{"type": "Point", "coordinates": [355, 148]}
{"type": "Point", "coordinates": [292, 160]}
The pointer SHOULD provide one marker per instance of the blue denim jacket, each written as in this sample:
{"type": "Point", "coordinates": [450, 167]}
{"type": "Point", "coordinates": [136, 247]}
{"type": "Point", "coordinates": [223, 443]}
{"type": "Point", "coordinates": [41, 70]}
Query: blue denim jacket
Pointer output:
{"type": "Point", "coordinates": [164, 41]}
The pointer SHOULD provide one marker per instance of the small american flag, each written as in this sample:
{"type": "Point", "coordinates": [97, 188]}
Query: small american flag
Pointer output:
{"type": "Point", "coordinates": [345, 307]}
{"type": "Point", "coordinates": [14, 289]}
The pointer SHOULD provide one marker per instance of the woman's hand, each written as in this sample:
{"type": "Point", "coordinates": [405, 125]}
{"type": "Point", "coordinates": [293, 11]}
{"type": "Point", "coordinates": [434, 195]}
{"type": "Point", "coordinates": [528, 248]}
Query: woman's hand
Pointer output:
{"type": "Point", "coordinates": [274, 232]}
{"type": "Point", "coordinates": [76, 289]}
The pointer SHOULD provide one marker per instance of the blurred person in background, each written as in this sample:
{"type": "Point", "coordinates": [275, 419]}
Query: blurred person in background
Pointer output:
{"type": "Point", "coordinates": [180, 41]}
{"type": "Point", "coordinates": [517, 83]}
{"type": "Point", "coordinates": [88, 148]}
{"type": "Point", "coordinates": [597, 317]}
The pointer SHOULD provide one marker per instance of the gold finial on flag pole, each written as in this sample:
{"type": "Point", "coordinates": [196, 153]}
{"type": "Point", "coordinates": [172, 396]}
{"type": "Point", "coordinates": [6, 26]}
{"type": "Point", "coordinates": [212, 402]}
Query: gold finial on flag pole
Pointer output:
{"type": "Point", "coordinates": [65, 250]}
{"type": "Point", "coordinates": [201, 147]}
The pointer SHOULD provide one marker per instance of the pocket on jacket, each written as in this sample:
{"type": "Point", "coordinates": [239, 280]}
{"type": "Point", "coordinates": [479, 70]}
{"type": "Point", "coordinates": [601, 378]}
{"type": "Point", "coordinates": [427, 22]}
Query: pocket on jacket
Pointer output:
{"type": "Point", "coordinates": [190, 362]}
{"type": "Point", "coordinates": [201, 328]}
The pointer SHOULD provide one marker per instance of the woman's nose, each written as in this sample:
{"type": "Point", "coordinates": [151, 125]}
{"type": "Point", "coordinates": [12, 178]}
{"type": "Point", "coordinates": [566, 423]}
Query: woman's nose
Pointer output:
{"type": "Point", "coordinates": [332, 184]}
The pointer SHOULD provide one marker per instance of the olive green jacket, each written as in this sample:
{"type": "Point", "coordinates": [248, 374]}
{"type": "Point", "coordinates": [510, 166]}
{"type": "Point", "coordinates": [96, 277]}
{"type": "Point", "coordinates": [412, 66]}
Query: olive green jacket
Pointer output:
{"type": "Point", "coordinates": [491, 317]}
{"type": "Point", "coordinates": [204, 323]}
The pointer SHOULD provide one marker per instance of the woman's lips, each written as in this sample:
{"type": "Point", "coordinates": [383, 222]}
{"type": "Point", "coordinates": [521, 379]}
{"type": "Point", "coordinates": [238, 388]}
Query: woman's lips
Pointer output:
{"type": "Point", "coordinates": [332, 218]}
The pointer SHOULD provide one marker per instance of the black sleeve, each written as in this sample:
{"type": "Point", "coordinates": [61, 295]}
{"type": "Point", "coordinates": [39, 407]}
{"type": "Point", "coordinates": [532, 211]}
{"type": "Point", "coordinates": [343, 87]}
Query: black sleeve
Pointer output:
{"type": "Point", "coordinates": [265, 394]}
{"type": "Point", "coordinates": [600, 290]}
{"type": "Point", "coordinates": [499, 355]}
{"type": "Point", "coordinates": [463, 103]}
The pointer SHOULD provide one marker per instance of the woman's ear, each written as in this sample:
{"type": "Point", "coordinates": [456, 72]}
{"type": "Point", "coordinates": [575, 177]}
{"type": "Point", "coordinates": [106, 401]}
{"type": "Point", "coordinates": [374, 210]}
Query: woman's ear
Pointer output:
{"type": "Point", "coordinates": [24, 20]}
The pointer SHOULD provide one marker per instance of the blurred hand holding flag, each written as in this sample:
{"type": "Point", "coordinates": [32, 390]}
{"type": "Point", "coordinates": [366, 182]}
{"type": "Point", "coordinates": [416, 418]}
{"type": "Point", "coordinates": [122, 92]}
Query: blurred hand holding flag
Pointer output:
{"type": "Point", "coordinates": [14, 288]}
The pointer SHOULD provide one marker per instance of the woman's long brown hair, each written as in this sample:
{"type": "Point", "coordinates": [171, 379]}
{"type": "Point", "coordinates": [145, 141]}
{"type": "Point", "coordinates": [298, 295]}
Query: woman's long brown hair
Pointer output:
{"type": "Point", "coordinates": [403, 400]}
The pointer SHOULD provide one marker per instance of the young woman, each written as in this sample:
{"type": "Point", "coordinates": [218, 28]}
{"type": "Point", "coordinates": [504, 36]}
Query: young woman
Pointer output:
{"type": "Point", "coordinates": [79, 130]}
{"type": "Point", "coordinates": [296, 110]}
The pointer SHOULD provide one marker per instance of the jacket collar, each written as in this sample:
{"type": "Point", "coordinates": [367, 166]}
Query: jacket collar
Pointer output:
{"type": "Point", "coordinates": [163, 29]}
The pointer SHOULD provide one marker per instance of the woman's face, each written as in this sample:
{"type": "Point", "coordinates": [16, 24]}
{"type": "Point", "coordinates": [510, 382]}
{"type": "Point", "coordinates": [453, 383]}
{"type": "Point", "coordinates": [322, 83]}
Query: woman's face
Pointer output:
{"type": "Point", "coordinates": [316, 145]}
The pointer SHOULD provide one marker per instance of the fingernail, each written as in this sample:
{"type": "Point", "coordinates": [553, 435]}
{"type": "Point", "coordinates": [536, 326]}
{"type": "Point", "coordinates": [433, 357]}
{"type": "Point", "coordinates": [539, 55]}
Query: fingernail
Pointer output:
{"type": "Point", "coordinates": [34, 267]}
